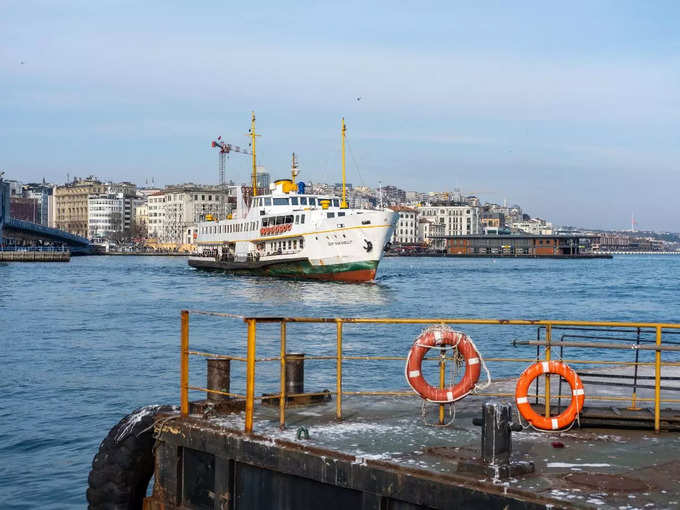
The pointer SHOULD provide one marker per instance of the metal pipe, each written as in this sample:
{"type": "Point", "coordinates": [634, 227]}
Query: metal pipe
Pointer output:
{"type": "Point", "coordinates": [657, 390]}
{"type": "Point", "coordinates": [184, 364]}
{"type": "Point", "coordinates": [338, 371]}
{"type": "Point", "coordinates": [295, 373]}
{"type": "Point", "coordinates": [250, 376]}
{"type": "Point", "coordinates": [282, 398]}
{"type": "Point", "coordinates": [622, 347]}
{"type": "Point", "coordinates": [633, 405]}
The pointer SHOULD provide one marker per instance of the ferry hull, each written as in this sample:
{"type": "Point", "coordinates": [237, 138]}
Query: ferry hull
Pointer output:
{"type": "Point", "coordinates": [363, 271]}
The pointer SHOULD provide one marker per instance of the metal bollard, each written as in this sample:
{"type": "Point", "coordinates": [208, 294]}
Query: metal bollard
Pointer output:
{"type": "Point", "coordinates": [218, 378]}
{"type": "Point", "coordinates": [496, 444]}
{"type": "Point", "coordinates": [295, 373]}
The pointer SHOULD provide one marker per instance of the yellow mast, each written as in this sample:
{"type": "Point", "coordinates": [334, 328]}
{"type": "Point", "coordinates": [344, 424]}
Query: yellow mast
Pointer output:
{"type": "Point", "coordinates": [343, 204]}
{"type": "Point", "coordinates": [293, 169]}
{"type": "Point", "coordinates": [252, 142]}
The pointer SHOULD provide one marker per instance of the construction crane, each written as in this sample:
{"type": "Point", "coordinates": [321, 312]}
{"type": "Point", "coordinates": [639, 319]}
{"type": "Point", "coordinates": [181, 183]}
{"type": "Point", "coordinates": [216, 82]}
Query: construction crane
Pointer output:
{"type": "Point", "coordinates": [225, 149]}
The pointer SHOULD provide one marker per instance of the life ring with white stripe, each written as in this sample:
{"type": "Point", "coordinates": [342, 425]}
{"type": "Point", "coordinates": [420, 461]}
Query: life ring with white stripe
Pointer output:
{"type": "Point", "coordinates": [567, 416]}
{"type": "Point", "coordinates": [438, 337]}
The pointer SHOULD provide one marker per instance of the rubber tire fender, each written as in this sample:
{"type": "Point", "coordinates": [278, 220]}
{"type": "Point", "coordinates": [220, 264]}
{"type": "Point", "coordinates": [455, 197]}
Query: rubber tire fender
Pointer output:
{"type": "Point", "coordinates": [122, 468]}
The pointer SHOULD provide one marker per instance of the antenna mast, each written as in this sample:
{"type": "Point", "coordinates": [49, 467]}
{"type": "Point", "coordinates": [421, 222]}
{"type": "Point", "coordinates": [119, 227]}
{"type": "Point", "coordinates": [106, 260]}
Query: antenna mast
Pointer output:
{"type": "Point", "coordinates": [294, 169]}
{"type": "Point", "coordinates": [343, 204]}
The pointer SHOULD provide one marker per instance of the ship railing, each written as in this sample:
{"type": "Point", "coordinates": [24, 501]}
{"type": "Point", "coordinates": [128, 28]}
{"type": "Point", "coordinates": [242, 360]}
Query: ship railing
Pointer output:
{"type": "Point", "coordinates": [593, 341]}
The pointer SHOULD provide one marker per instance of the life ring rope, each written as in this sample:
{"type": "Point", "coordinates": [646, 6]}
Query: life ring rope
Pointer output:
{"type": "Point", "coordinates": [444, 338]}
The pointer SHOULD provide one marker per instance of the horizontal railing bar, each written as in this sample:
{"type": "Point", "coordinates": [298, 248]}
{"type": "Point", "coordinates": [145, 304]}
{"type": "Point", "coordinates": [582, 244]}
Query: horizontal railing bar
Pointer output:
{"type": "Point", "coordinates": [216, 356]}
{"type": "Point", "coordinates": [216, 392]}
{"type": "Point", "coordinates": [623, 347]}
{"type": "Point", "coordinates": [215, 314]}
{"type": "Point", "coordinates": [511, 322]}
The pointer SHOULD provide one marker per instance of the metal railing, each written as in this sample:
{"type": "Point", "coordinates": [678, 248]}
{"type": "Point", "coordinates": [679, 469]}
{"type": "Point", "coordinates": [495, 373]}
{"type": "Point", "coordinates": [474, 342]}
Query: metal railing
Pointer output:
{"type": "Point", "coordinates": [574, 335]}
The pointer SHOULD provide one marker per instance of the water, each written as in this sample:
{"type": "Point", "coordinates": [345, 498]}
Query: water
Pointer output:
{"type": "Point", "coordinates": [85, 343]}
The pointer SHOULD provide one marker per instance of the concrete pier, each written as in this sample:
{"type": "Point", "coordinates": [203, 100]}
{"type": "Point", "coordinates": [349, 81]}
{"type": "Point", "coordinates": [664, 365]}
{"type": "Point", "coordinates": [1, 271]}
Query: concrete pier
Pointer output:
{"type": "Point", "coordinates": [35, 256]}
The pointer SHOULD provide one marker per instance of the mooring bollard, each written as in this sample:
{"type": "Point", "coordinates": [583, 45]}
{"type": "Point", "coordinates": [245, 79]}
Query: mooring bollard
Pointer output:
{"type": "Point", "coordinates": [295, 373]}
{"type": "Point", "coordinates": [218, 378]}
{"type": "Point", "coordinates": [496, 444]}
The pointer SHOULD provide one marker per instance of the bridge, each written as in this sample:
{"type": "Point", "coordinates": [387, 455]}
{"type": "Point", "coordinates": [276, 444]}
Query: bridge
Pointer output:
{"type": "Point", "coordinates": [20, 230]}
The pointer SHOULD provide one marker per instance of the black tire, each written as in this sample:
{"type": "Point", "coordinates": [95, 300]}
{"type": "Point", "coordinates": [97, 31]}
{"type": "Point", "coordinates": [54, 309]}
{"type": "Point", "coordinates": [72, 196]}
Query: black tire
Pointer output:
{"type": "Point", "coordinates": [123, 466]}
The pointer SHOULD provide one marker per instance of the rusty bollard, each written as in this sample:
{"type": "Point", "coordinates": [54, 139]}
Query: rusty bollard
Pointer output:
{"type": "Point", "coordinates": [495, 460]}
{"type": "Point", "coordinates": [295, 373]}
{"type": "Point", "coordinates": [218, 378]}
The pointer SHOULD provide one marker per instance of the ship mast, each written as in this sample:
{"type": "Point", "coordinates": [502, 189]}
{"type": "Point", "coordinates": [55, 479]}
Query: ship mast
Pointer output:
{"type": "Point", "coordinates": [252, 143]}
{"type": "Point", "coordinates": [343, 204]}
{"type": "Point", "coordinates": [294, 170]}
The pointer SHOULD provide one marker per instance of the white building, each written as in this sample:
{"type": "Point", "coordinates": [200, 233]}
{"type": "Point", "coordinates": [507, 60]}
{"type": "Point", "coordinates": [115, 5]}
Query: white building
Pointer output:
{"type": "Point", "coordinates": [406, 231]}
{"type": "Point", "coordinates": [535, 226]}
{"type": "Point", "coordinates": [456, 219]}
{"type": "Point", "coordinates": [105, 215]}
{"type": "Point", "coordinates": [173, 210]}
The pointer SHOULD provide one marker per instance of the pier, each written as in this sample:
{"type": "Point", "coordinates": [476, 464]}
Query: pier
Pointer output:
{"type": "Point", "coordinates": [34, 255]}
{"type": "Point", "coordinates": [376, 448]}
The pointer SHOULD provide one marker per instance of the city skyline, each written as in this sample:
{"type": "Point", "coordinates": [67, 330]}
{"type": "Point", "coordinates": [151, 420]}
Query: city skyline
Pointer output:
{"type": "Point", "coordinates": [566, 111]}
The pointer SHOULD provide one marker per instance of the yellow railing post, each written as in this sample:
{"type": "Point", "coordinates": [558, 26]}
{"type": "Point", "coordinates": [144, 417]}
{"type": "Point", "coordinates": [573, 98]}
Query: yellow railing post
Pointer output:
{"type": "Point", "coordinates": [442, 381]}
{"type": "Point", "coordinates": [184, 364]}
{"type": "Point", "coordinates": [282, 399]}
{"type": "Point", "coordinates": [548, 338]}
{"type": "Point", "coordinates": [250, 376]}
{"type": "Point", "coordinates": [657, 383]}
{"type": "Point", "coordinates": [338, 371]}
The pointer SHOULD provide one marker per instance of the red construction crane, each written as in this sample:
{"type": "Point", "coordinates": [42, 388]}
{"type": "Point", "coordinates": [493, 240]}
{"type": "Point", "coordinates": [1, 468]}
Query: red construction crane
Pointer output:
{"type": "Point", "coordinates": [225, 148]}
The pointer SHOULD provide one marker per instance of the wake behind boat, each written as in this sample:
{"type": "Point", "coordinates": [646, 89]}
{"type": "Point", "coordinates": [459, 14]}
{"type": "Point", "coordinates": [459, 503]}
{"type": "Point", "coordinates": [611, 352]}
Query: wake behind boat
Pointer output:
{"type": "Point", "coordinates": [290, 233]}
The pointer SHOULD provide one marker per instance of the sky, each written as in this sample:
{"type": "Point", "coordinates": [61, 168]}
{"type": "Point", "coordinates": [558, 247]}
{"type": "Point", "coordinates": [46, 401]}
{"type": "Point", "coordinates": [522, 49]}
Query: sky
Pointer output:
{"type": "Point", "coordinates": [570, 109]}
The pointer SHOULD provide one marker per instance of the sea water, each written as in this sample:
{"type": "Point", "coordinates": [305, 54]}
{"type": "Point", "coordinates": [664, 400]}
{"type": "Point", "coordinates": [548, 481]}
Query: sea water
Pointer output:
{"type": "Point", "coordinates": [85, 343]}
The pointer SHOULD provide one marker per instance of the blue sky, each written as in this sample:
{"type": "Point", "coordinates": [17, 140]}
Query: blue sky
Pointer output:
{"type": "Point", "coordinates": [571, 110]}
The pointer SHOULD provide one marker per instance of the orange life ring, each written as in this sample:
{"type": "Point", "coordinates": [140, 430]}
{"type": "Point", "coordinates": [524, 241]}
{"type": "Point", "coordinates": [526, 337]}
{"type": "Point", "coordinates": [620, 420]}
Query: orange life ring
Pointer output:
{"type": "Point", "coordinates": [436, 337]}
{"type": "Point", "coordinates": [262, 231]}
{"type": "Point", "coordinates": [563, 419]}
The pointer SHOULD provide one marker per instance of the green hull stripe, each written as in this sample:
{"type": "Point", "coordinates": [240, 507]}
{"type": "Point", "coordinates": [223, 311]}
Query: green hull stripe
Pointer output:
{"type": "Point", "coordinates": [298, 268]}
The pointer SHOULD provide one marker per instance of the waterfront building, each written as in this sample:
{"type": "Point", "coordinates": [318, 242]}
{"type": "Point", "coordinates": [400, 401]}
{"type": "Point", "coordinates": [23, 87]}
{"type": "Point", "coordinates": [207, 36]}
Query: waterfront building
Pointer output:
{"type": "Point", "coordinates": [105, 215]}
{"type": "Point", "coordinates": [456, 219]}
{"type": "Point", "coordinates": [71, 202]}
{"type": "Point", "coordinates": [173, 210]}
{"type": "Point", "coordinates": [517, 245]}
{"type": "Point", "coordinates": [406, 231]}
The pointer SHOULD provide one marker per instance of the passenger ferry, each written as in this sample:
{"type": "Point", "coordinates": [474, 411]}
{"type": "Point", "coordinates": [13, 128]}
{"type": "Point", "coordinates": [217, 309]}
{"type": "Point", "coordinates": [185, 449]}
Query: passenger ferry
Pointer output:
{"type": "Point", "coordinates": [290, 233]}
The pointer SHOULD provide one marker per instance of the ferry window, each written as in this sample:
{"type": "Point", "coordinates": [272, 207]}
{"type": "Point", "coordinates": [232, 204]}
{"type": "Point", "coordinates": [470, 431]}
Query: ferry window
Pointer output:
{"type": "Point", "coordinates": [303, 200]}
{"type": "Point", "coordinates": [289, 219]}
{"type": "Point", "coordinates": [295, 244]}
{"type": "Point", "coordinates": [280, 201]}
{"type": "Point", "coordinates": [341, 214]}
{"type": "Point", "coordinates": [267, 201]}
{"type": "Point", "coordinates": [336, 203]}
{"type": "Point", "coordinates": [289, 245]}
{"type": "Point", "coordinates": [302, 218]}
{"type": "Point", "coordinates": [297, 218]}
{"type": "Point", "coordinates": [330, 215]}
{"type": "Point", "coordinates": [294, 200]}
{"type": "Point", "coordinates": [302, 242]}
